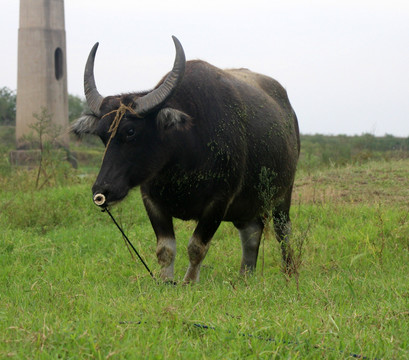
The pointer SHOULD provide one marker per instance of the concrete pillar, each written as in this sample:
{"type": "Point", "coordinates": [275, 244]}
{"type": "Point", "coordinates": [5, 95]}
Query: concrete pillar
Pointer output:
{"type": "Point", "coordinates": [42, 67]}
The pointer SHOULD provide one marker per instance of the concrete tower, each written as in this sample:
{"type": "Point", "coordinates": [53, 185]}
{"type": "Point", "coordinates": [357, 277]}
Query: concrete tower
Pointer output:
{"type": "Point", "coordinates": [42, 66]}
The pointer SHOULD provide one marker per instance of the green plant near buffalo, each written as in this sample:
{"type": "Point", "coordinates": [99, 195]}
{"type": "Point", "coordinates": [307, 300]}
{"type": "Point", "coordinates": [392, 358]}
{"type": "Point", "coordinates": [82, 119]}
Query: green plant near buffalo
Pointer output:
{"type": "Point", "coordinates": [69, 288]}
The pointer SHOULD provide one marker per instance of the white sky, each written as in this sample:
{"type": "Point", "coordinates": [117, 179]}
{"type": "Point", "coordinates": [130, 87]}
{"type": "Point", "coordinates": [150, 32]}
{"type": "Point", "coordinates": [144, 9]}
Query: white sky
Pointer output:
{"type": "Point", "coordinates": [344, 63]}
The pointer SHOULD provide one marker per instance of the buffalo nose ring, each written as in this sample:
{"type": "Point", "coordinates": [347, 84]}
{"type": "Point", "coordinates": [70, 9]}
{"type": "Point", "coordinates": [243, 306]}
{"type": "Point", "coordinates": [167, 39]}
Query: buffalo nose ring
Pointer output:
{"type": "Point", "coordinates": [99, 199]}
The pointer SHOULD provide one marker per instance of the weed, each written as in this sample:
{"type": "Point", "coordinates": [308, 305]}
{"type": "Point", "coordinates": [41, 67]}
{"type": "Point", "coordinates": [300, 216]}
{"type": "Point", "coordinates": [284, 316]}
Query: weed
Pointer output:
{"type": "Point", "coordinates": [296, 248]}
{"type": "Point", "coordinates": [266, 191]}
{"type": "Point", "coordinates": [52, 169]}
{"type": "Point", "coordinates": [381, 234]}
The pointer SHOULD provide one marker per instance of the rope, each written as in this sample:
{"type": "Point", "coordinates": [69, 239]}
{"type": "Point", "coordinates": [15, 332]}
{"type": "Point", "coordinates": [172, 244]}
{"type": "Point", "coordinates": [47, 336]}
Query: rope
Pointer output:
{"type": "Point", "coordinates": [128, 242]}
{"type": "Point", "coordinates": [120, 113]}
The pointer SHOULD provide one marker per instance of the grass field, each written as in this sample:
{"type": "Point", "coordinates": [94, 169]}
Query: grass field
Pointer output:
{"type": "Point", "coordinates": [69, 288]}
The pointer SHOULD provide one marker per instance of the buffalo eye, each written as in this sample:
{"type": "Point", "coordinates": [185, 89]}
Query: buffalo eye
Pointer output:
{"type": "Point", "coordinates": [130, 134]}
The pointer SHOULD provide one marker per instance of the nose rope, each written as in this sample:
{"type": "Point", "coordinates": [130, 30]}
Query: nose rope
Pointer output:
{"type": "Point", "coordinates": [120, 113]}
{"type": "Point", "coordinates": [128, 242]}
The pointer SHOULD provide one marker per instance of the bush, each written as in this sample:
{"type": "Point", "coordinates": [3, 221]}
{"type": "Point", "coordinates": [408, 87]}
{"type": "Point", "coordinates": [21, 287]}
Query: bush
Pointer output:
{"type": "Point", "coordinates": [7, 106]}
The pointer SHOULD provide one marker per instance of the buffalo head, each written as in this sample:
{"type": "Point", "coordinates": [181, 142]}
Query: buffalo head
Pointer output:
{"type": "Point", "coordinates": [133, 127]}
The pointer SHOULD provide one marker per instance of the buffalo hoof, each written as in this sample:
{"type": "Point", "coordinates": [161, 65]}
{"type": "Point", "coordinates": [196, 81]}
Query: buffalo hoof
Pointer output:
{"type": "Point", "coordinates": [170, 282]}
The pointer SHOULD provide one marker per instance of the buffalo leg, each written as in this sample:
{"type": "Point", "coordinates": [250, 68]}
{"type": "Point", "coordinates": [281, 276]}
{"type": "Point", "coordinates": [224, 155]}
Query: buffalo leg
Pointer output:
{"type": "Point", "coordinates": [166, 243]}
{"type": "Point", "coordinates": [197, 250]}
{"type": "Point", "coordinates": [166, 252]}
{"type": "Point", "coordinates": [250, 236]}
{"type": "Point", "coordinates": [200, 241]}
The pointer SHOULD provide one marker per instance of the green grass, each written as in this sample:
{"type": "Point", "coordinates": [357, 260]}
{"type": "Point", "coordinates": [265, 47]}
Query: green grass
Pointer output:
{"type": "Point", "coordinates": [69, 288]}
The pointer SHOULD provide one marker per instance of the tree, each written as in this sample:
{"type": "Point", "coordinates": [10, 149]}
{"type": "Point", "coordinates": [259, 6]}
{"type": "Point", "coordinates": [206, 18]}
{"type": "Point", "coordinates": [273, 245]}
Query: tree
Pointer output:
{"type": "Point", "coordinates": [76, 107]}
{"type": "Point", "coordinates": [7, 106]}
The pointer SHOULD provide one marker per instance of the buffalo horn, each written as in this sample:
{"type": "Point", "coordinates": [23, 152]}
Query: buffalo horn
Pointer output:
{"type": "Point", "coordinates": [157, 97]}
{"type": "Point", "coordinates": [94, 98]}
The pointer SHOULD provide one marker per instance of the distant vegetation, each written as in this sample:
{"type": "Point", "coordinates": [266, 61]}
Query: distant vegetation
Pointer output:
{"type": "Point", "coordinates": [76, 106]}
{"type": "Point", "coordinates": [316, 150]}
{"type": "Point", "coordinates": [325, 150]}
{"type": "Point", "coordinates": [7, 106]}
{"type": "Point", "coordinates": [87, 150]}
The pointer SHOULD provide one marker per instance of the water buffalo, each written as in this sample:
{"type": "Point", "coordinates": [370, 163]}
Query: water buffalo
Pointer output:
{"type": "Point", "coordinates": [205, 144]}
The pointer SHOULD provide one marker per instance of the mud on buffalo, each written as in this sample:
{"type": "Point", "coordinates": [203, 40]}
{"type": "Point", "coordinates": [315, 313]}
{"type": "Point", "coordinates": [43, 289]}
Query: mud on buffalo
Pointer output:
{"type": "Point", "coordinates": [205, 144]}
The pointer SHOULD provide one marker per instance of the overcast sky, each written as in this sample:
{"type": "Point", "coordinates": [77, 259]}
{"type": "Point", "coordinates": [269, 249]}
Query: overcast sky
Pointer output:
{"type": "Point", "coordinates": [345, 64]}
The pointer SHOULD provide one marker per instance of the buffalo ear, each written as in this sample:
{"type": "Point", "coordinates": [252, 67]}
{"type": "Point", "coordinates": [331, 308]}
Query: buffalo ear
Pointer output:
{"type": "Point", "coordinates": [86, 124]}
{"type": "Point", "coordinates": [172, 119]}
